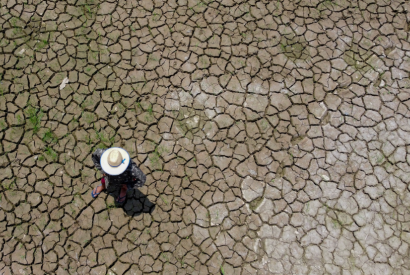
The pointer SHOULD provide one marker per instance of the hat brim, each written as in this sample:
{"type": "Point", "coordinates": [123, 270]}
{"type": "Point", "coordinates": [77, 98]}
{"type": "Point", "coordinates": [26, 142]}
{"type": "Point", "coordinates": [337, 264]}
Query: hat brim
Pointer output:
{"type": "Point", "coordinates": [114, 171]}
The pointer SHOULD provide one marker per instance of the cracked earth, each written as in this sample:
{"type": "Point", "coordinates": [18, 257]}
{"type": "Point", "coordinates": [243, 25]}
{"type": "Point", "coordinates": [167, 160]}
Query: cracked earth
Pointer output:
{"type": "Point", "coordinates": [274, 136]}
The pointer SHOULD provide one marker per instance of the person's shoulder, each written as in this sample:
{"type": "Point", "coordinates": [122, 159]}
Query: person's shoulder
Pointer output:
{"type": "Point", "coordinates": [133, 166]}
{"type": "Point", "coordinates": [99, 151]}
{"type": "Point", "coordinates": [132, 163]}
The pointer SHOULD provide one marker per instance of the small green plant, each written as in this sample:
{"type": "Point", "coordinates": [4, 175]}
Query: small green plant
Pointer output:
{"type": "Point", "coordinates": [105, 217]}
{"type": "Point", "coordinates": [222, 270]}
{"type": "Point", "coordinates": [149, 29]}
{"type": "Point", "coordinates": [307, 207]}
{"type": "Point", "coordinates": [149, 118]}
{"type": "Point", "coordinates": [88, 9]}
{"type": "Point", "coordinates": [133, 29]}
{"type": "Point", "coordinates": [150, 110]}
{"type": "Point", "coordinates": [16, 29]}
{"type": "Point", "coordinates": [164, 200]}
{"type": "Point", "coordinates": [49, 136]}
{"type": "Point", "coordinates": [101, 136]}
{"type": "Point", "coordinates": [154, 158]}
{"type": "Point", "coordinates": [87, 241]}
{"type": "Point", "coordinates": [94, 54]}
{"type": "Point", "coordinates": [42, 44]}
{"type": "Point", "coordinates": [84, 175]}
{"type": "Point", "coordinates": [10, 185]}
{"type": "Point", "coordinates": [165, 256]}
{"type": "Point", "coordinates": [19, 119]}
{"type": "Point", "coordinates": [155, 17]}
{"type": "Point", "coordinates": [139, 106]}
{"type": "Point", "coordinates": [89, 117]}
{"type": "Point", "coordinates": [50, 152]}
{"type": "Point", "coordinates": [152, 57]}
{"type": "Point", "coordinates": [156, 155]}
{"type": "Point", "coordinates": [336, 224]}
{"type": "Point", "coordinates": [88, 139]}
{"type": "Point", "coordinates": [204, 61]}
{"type": "Point", "coordinates": [100, 146]}
{"type": "Point", "coordinates": [264, 125]}
{"type": "Point", "coordinates": [41, 158]}
{"type": "Point", "coordinates": [2, 125]}
{"type": "Point", "coordinates": [380, 159]}
{"type": "Point", "coordinates": [34, 117]}
{"type": "Point", "coordinates": [87, 103]}
{"type": "Point", "coordinates": [132, 237]}
{"type": "Point", "coordinates": [73, 211]}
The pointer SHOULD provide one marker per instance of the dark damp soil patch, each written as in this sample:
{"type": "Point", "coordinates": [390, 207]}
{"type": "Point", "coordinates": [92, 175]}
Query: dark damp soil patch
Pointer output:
{"type": "Point", "coordinates": [255, 203]}
{"type": "Point", "coordinates": [294, 47]}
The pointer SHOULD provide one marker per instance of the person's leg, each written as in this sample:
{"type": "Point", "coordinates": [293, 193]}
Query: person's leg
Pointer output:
{"type": "Point", "coordinates": [123, 193]}
{"type": "Point", "coordinates": [98, 189]}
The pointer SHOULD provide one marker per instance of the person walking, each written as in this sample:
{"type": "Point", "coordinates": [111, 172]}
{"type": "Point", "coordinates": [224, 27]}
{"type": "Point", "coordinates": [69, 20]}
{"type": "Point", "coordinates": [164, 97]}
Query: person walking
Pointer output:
{"type": "Point", "coordinates": [118, 171]}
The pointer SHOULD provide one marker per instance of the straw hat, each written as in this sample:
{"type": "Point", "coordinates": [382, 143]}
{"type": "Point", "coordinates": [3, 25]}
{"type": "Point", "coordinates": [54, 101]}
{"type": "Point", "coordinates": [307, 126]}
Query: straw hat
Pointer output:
{"type": "Point", "coordinates": [114, 161]}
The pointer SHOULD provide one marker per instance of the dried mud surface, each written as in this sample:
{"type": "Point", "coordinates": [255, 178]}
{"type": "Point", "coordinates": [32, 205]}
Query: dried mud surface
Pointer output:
{"type": "Point", "coordinates": [274, 136]}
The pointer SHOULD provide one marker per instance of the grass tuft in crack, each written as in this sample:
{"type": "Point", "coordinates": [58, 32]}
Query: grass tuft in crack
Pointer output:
{"type": "Point", "coordinates": [50, 152]}
{"type": "Point", "coordinates": [34, 117]}
{"type": "Point", "coordinates": [49, 136]}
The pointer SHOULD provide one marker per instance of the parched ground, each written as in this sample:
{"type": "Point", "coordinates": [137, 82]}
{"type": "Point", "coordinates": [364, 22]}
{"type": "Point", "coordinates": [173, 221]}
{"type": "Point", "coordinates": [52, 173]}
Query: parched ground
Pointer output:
{"type": "Point", "coordinates": [274, 134]}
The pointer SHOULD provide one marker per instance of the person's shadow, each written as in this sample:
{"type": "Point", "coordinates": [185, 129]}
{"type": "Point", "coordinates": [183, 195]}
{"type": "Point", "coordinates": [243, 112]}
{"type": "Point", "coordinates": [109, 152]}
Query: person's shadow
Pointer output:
{"type": "Point", "coordinates": [136, 203]}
